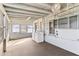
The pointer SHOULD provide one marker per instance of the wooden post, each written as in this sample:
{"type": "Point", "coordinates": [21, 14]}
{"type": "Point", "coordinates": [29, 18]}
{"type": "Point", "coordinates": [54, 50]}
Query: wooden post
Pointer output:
{"type": "Point", "coordinates": [4, 33]}
{"type": "Point", "coordinates": [43, 19]}
{"type": "Point", "coordinates": [4, 45]}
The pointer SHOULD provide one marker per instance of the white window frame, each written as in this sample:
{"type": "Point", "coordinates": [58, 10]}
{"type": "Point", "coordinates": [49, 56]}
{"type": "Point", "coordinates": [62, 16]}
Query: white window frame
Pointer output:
{"type": "Point", "coordinates": [60, 23]}
{"type": "Point", "coordinates": [29, 28]}
{"type": "Point", "coordinates": [51, 29]}
{"type": "Point", "coordinates": [15, 30]}
{"type": "Point", "coordinates": [76, 21]}
{"type": "Point", "coordinates": [23, 29]}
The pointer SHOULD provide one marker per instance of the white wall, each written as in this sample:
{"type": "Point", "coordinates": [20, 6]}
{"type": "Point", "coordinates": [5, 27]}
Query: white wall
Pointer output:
{"type": "Point", "coordinates": [67, 39]}
{"type": "Point", "coordinates": [19, 35]}
{"type": "Point", "coordinates": [69, 45]}
{"type": "Point", "coordinates": [68, 34]}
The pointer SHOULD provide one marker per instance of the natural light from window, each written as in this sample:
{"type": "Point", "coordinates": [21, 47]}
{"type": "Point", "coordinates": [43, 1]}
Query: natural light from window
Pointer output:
{"type": "Point", "coordinates": [16, 28]}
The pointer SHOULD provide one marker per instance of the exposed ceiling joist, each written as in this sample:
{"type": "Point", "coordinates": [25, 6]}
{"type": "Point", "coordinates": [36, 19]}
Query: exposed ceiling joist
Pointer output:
{"type": "Point", "coordinates": [29, 11]}
{"type": "Point", "coordinates": [19, 6]}
{"type": "Point", "coordinates": [18, 16]}
{"type": "Point", "coordinates": [22, 11]}
{"type": "Point", "coordinates": [23, 14]}
{"type": "Point", "coordinates": [28, 18]}
{"type": "Point", "coordinates": [44, 6]}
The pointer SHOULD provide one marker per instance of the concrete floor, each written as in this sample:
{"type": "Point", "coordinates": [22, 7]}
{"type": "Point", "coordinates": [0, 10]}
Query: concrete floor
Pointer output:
{"type": "Point", "coordinates": [27, 47]}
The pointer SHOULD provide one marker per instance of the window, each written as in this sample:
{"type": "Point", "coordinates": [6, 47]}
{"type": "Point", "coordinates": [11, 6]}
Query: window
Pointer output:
{"type": "Point", "coordinates": [16, 28]}
{"type": "Point", "coordinates": [55, 23]}
{"type": "Point", "coordinates": [73, 22]}
{"type": "Point", "coordinates": [63, 23]}
{"type": "Point", "coordinates": [29, 28]}
{"type": "Point", "coordinates": [51, 27]}
{"type": "Point", "coordinates": [23, 28]}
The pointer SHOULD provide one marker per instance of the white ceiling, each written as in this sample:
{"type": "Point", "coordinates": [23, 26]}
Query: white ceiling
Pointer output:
{"type": "Point", "coordinates": [25, 10]}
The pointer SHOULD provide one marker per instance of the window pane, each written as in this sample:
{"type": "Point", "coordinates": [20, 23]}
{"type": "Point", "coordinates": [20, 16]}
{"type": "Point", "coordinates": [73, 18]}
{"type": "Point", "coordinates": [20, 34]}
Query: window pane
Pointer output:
{"type": "Point", "coordinates": [55, 23]}
{"type": "Point", "coordinates": [29, 29]}
{"type": "Point", "coordinates": [23, 28]}
{"type": "Point", "coordinates": [51, 28]}
{"type": "Point", "coordinates": [62, 23]}
{"type": "Point", "coordinates": [15, 28]}
{"type": "Point", "coordinates": [73, 22]}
